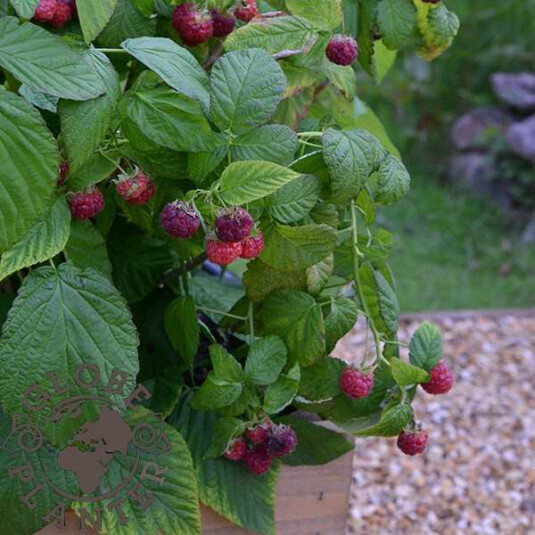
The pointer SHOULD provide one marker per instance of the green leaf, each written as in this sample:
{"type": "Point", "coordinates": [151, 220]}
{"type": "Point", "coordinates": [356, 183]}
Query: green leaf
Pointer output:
{"type": "Point", "coordinates": [44, 63]}
{"type": "Point", "coordinates": [292, 248]}
{"type": "Point", "coordinates": [383, 60]}
{"type": "Point", "coordinates": [343, 78]}
{"type": "Point", "coordinates": [201, 164]}
{"type": "Point", "coordinates": [340, 321]}
{"type": "Point", "coordinates": [378, 250]}
{"type": "Point", "coordinates": [138, 262]}
{"type": "Point", "coordinates": [260, 280]}
{"type": "Point", "coordinates": [45, 240]}
{"type": "Point", "coordinates": [94, 170]}
{"type": "Point", "coordinates": [29, 159]}
{"type": "Point", "coordinates": [296, 318]}
{"type": "Point", "coordinates": [351, 157]}
{"type": "Point", "coordinates": [393, 181]}
{"type": "Point", "coordinates": [396, 20]}
{"type": "Point", "coordinates": [273, 34]}
{"type": "Point", "coordinates": [170, 119]}
{"type": "Point", "coordinates": [38, 99]}
{"type": "Point", "coordinates": [226, 367]}
{"type": "Point", "coordinates": [381, 300]}
{"type": "Point", "coordinates": [273, 143]}
{"type": "Point", "coordinates": [95, 114]}
{"type": "Point", "coordinates": [25, 8]}
{"type": "Point", "coordinates": [228, 488]}
{"type": "Point", "coordinates": [294, 201]}
{"type": "Point", "coordinates": [175, 501]}
{"type": "Point", "coordinates": [243, 182]}
{"type": "Point", "coordinates": [225, 429]}
{"type": "Point", "coordinates": [392, 421]}
{"type": "Point", "coordinates": [406, 374]}
{"type": "Point", "coordinates": [182, 327]}
{"type": "Point", "coordinates": [174, 64]}
{"type": "Point", "coordinates": [320, 381]}
{"type": "Point", "coordinates": [265, 361]}
{"type": "Point", "coordinates": [282, 392]}
{"type": "Point", "coordinates": [126, 22]}
{"type": "Point", "coordinates": [63, 318]}
{"type": "Point", "coordinates": [94, 15]}
{"type": "Point", "coordinates": [165, 388]}
{"type": "Point", "coordinates": [425, 348]}
{"type": "Point", "coordinates": [247, 86]}
{"type": "Point", "coordinates": [325, 15]}
{"type": "Point", "coordinates": [216, 394]}
{"type": "Point", "coordinates": [86, 247]}
{"type": "Point", "coordinates": [315, 444]}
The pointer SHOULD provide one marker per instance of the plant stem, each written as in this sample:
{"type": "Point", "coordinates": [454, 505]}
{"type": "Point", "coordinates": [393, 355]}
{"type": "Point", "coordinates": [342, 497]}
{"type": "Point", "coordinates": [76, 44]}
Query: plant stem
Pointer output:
{"type": "Point", "coordinates": [309, 134]}
{"type": "Point", "coordinates": [112, 50]}
{"type": "Point", "coordinates": [102, 153]}
{"type": "Point", "coordinates": [213, 311]}
{"type": "Point", "coordinates": [356, 273]}
{"type": "Point", "coordinates": [250, 315]}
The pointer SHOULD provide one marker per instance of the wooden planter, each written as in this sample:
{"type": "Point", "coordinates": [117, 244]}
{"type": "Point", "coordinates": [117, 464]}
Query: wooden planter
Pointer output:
{"type": "Point", "coordinates": [310, 500]}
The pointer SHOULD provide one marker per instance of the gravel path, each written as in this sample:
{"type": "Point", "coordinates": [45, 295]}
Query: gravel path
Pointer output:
{"type": "Point", "coordinates": [478, 474]}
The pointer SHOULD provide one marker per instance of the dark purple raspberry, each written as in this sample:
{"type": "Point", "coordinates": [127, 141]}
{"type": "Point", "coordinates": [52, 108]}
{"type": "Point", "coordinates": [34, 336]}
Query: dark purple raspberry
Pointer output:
{"type": "Point", "coordinates": [223, 24]}
{"type": "Point", "coordinates": [413, 442]}
{"type": "Point", "coordinates": [63, 170]}
{"type": "Point", "coordinates": [441, 380]}
{"type": "Point", "coordinates": [355, 384]}
{"type": "Point", "coordinates": [342, 50]}
{"type": "Point", "coordinates": [234, 225]}
{"type": "Point", "coordinates": [236, 450]}
{"type": "Point", "coordinates": [180, 220]}
{"type": "Point", "coordinates": [257, 459]}
{"type": "Point", "coordinates": [86, 204]}
{"type": "Point", "coordinates": [282, 440]}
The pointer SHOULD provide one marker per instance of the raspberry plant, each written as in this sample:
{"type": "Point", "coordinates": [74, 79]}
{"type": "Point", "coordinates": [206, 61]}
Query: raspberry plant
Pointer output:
{"type": "Point", "coordinates": [139, 139]}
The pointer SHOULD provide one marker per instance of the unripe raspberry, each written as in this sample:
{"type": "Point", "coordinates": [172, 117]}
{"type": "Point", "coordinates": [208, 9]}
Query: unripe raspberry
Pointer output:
{"type": "Point", "coordinates": [236, 450]}
{"type": "Point", "coordinates": [223, 24]}
{"type": "Point", "coordinates": [180, 220]}
{"type": "Point", "coordinates": [233, 225]}
{"type": "Point", "coordinates": [137, 189]}
{"type": "Point", "coordinates": [355, 384]}
{"type": "Point", "coordinates": [260, 433]}
{"type": "Point", "coordinates": [193, 26]}
{"type": "Point", "coordinates": [63, 170]}
{"type": "Point", "coordinates": [45, 10]}
{"type": "Point", "coordinates": [342, 50]}
{"type": "Point", "coordinates": [257, 459]}
{"type": "Point", "coordinates": [63, 14]}
{"type": "Point", "coordinates": [413, 442]}
{"type": "Point", "coordinates": [252, 246]}
{"type": "Point", "coordinates": [282, 440]}
{"type": "Point", "coordinates": [441, 380]}
{"type": "Point", "coordinates": [222, 253]}
{"type": "Point", "coordinates": [86, 204]}
{"type": "Point", "coordinates": [247, 10]}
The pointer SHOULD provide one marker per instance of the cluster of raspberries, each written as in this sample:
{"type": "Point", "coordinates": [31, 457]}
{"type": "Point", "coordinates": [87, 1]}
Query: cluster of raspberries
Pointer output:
{"type": "Point", "coordinates": [196, 25]}
{"type": "Point", "coordinates": [355, 384]}
{"type": "Point", "coordinates": [233, 227]}
{"type": "Point", "coordinates": [55, 12]}
{"type": "Point", "coordinates": [261, 444]}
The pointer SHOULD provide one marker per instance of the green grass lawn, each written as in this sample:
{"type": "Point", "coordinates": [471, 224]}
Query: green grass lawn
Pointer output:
{"type": "Point", "coordinates": [455, 251]}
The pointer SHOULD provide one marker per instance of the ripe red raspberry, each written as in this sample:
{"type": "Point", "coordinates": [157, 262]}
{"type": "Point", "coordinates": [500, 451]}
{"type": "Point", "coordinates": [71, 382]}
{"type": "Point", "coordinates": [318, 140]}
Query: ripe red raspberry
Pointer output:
{"type": "Point", "coordinates": [86, 204]}
{"type": "Point", "coordinates": [193, 26]}
{"type": "Point", "coordinates": [63, 170]}
{"type": "Point", "coordinates": [63, 14]}
{"type": "Point", "coordinates": [355, 384]}
{"type": "Point", "coordinates": [45, 10]}
{"type": "Point", "coordinates": [413, 442]}
{"type": "Point", "coordinates": [260, 433]}
{"type": "Point", "coordinates": [441, 380]}
{"type": "Point", "coordinates": [342, 50]}
{"type": "Point", "coordinates": [223, 24]}
{"type": "Point", "coordinates": [252, 246]}
{"type": "Point", "coordinates": [247, 10]}
{"type": "Point", "coordinates": [236, 450]}
{"type": "Point", "coordinates": [233, 225]}
{"type": "Point", "coordinates": [180, 220]}
{"type": "Point", "coordinates": [282, 440]}
{"type": "Point", "coordinates": [222, 253]}
{"type": "Point", "coordinates": [257, 459]}
{"type": "Point", "coordinates": [137, 189]}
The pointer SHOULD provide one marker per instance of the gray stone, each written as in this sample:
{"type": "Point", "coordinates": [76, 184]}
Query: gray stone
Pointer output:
{"type": "Point", "coordinates": [521, 138]}
{"type": "Point", "coordinates": [516, 90]}
{"type": "Point", "coordinates": [478, 127]}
